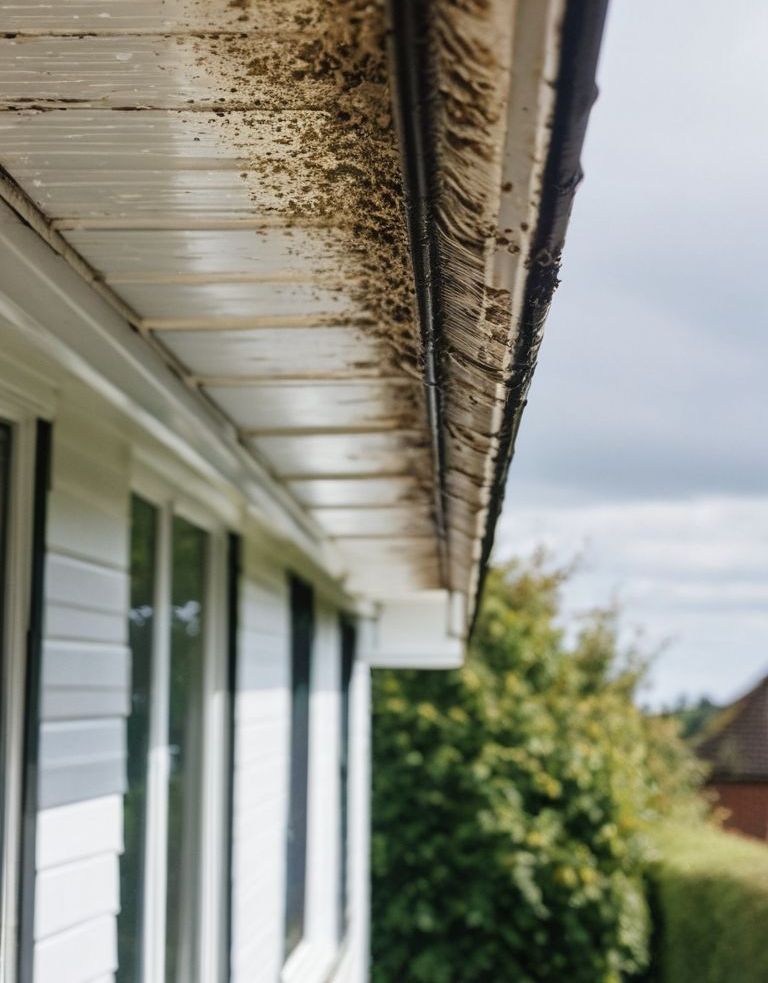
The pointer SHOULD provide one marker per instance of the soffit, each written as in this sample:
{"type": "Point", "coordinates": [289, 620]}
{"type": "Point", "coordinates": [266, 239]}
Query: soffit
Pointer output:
{"type": "Point", "coordinates": [229, 173]}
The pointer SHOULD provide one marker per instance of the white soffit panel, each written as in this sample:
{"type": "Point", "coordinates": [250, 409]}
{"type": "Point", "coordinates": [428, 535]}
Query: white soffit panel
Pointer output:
{"type": "Point", "coordinates": [313, 405]}
{"type": "Point", "coordinates": [351, 492]}
{"type": "Point", "coordinates": [197, 158]}
{"type": "Point", "coordinates": [422, 631]}
{"type": "Point", "coordinates": [269, 254]}
{"type": "Point", "coordinates": [238, 354]}
{"type": "Point", "coordinates": [335, 454]}
{"type": "Point", "coordinates": [365, 523]}
{"type": "Point", "coordinates": [195, 303]}
{"type": "Point", "coordinates": [226, 174]}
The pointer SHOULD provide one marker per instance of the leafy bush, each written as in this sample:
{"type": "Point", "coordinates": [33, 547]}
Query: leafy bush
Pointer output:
{"type": "Point", "coordinates": [710, 899]}
{"type": "Point", "coordinates": [510, 799]}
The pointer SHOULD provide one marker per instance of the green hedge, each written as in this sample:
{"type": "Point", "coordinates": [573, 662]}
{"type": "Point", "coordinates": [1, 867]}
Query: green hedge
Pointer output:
{"type": "Point", "coordinates": [512, 800]}
{"type": "Point", "coordinates": [710, 899]}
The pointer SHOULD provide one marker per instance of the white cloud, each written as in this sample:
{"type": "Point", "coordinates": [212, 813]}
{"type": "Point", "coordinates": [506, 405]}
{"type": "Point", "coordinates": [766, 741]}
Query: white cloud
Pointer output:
{"type": "Point", "coordinates": [692, 573]}
{"type": "Point", "coordinates": [645, 444]}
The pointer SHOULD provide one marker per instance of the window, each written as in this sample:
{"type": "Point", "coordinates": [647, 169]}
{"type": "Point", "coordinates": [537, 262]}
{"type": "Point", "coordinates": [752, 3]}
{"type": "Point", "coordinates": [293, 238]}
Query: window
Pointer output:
{"type": "Point", "coordinates": [163, 804]}
{"type": "Point", "coordinates": [144, 528]}
{"type": "Point", "coordinates": [348, 647]}
{"type": "Point", "coordinates": [302, 630]}
{"type": "Point", "coordinates": [185, 746]}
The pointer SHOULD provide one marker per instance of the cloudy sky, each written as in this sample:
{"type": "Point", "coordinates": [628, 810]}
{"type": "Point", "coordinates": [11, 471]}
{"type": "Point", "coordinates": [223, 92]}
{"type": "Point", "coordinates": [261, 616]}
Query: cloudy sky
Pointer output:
{"type": "Point", "coordinates": [645, 443]}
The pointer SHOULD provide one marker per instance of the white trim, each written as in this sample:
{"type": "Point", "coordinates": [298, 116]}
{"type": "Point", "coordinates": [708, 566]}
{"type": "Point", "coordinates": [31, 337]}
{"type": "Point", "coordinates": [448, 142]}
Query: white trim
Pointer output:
{"type": "Point", "coordinates": [158, 765]}
{"type": "Point", "coordinates": [23, 392]}
{"type": "Point", "coordinates": [160, 476]}
{"type": "Point", "coordinates": [21, 416]}
{"type": "Point", "coordinates": [358, 847]}
{"type": "Point", "coordinates": [90, 340]}
{"type": "Point", "coordinates": [214, 876]}
{"type": "Point", "coordinates": [422, 630]}
{"type": "Point", "coordinates": [309, 963]}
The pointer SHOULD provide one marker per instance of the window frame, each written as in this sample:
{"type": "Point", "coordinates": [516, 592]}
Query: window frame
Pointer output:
{"type": "Point", "coordinates": [26, 421]}
{"type": "Point", "coordinates": [163, 493]}
{"type": "Point", "coordinates": [299, 752]}
{"type": "Point", "coordinates": [234, 582]}
{"type": "Point", "coordinates": [348, 648]}
{"type": "Point", "coordinates": [140, 967]}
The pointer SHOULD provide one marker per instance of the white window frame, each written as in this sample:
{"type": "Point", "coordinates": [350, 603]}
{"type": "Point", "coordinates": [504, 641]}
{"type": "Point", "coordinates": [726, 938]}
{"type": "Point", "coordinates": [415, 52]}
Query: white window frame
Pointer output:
{"type": "Point", "coordinates": [166, 497]}
{"type": "Point", "coordinates": [22, 415]}
{"type": "Point", "coordinates": [320, 951]}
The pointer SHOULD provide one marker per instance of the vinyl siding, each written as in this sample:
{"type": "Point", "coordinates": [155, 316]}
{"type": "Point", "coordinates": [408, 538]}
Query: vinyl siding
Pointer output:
{"type": "Point", "coordinates": [261, 768]}
{"type": "Point", "coordinates": [262, 717]}
{"type": "Point", "coordinates": [324, 750]}
{"type": "Point", "coordinates": [84, 701]}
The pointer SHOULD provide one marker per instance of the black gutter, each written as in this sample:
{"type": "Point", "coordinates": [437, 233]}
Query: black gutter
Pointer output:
{"type": "Point", "coordinates": [581, 37]}
{"type": "Point", "coordinates": [413, 90]}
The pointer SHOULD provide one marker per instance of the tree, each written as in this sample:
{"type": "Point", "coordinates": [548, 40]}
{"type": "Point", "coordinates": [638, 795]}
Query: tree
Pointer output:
{"type": "Point", "coordinates": [510, 800]}
{"type": "Point", "coordinates": [694, 716]}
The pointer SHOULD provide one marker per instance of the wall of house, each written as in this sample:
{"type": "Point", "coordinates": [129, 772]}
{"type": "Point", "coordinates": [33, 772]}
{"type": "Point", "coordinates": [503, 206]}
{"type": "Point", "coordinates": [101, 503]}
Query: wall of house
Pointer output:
{"type": "Point", "coordinates": [85, 699]}
{"type": "Point", "coordinates": [262, 714]}
{"type": "Point", "coordinates": [262, 708]}
{"type": "Point", "coordinates": [747, 806]}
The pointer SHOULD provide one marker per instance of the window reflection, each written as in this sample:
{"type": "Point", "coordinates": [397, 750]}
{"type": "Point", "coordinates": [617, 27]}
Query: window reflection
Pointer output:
{"type": "Point", "coordinates": [140, 636]}
{"type": "Point", "coordinates": [185, 718]}
{"type": "Point", "coordinates": [302, 631]}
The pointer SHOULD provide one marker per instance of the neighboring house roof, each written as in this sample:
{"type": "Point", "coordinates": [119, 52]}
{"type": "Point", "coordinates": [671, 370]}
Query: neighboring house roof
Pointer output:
{"type": "Point", "coordinates": [358, 300]}
{"type": "Point", "coordinates": [736, 744]}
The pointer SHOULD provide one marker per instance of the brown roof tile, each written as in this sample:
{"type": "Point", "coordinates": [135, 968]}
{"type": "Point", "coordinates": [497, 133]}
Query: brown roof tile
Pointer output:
{"type": "Point", "coordinates": [737, 746]}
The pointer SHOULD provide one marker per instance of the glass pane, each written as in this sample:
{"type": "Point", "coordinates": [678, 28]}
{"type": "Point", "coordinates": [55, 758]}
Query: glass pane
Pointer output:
{"type": "Point", "coordinates": [302, 625]}
{"type": "Point", "coordinates": [185, 744]}
{"type": "Point", "coordinates": [140, 635]}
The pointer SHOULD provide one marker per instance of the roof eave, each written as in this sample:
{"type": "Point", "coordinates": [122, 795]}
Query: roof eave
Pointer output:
{"type": "Point", "coordinates": [417, 102]}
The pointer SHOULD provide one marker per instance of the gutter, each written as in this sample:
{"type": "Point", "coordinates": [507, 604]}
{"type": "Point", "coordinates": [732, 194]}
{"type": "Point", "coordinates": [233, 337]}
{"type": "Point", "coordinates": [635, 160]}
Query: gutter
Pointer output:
{"type": "Point", "coordinates": [582, 33]}
{"type": "Point", "coordinates": [415, 94]}
{"type": "Point", "coordinates": [414, 90]}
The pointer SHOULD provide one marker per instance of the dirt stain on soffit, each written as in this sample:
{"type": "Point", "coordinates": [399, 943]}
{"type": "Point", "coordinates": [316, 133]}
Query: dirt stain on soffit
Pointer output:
{"type": "Point", "coordinates": [319, 150]}
{"type": "Point", "coordinates": [344, 168]}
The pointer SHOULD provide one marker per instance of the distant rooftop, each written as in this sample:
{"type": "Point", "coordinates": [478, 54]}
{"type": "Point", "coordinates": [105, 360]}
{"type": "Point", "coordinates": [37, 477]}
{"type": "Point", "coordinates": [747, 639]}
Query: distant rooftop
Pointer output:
{"type": "Point", "coordinates": [737, 741]}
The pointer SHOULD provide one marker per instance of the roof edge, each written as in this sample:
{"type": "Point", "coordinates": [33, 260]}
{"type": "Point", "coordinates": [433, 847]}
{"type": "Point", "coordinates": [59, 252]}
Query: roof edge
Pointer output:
{"type": "Point", "coordinates": [412, 92]}
{"type": "Point", "coordinates": [576, 91]}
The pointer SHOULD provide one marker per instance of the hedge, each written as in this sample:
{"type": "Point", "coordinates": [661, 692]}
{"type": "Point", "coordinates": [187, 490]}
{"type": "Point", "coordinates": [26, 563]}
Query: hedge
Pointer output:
{"type": "Point", "coordinates": [511, 802]}
{"type": "Point", "coordinates": [709, 893]}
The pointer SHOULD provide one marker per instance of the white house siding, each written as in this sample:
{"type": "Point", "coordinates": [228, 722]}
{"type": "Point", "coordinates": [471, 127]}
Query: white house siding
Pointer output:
{"type": "Point", "coordinates": [322, 923]}
{"type": "Point", "coordinates": [262, 722]}
{"type": "Point", "coordinates": [353, 967]}
{"type": "Point", "coordinates": [262, 711]}
{"type": "Point", "coordinates": [84, 701]}
{"type": "Point", "coordinates": [85, 697]}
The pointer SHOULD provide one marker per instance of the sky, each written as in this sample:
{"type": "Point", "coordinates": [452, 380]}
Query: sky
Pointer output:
{"type": "Point", "coordinates": [644, 448]}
